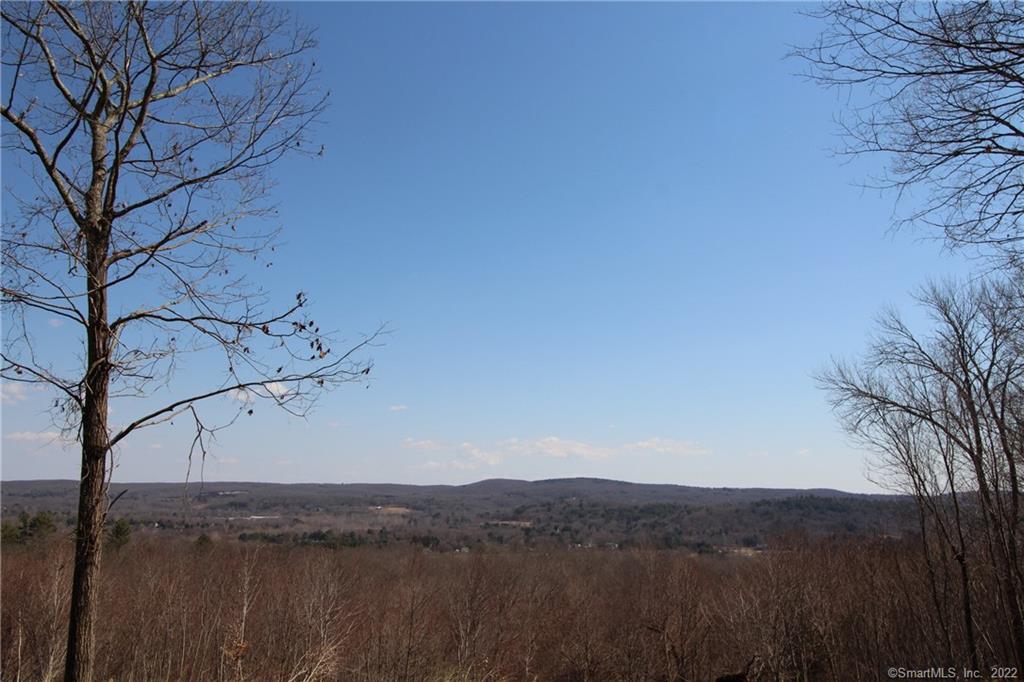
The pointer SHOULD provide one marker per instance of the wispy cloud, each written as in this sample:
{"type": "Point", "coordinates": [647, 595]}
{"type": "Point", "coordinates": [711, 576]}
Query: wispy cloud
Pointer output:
{"type": "Point", "coordinates": [451, 464]}
{"type": "Point", "coordinates": [667, 446]}
{"type": "Point", "coordinates": [557, 448]}
{"type": "Point", "coordinates": [277, 389]}
{"type": "Point", "coordinates": [480, 456]}
{"type": "Point", "coordinates": [273, 389]}
{"type": "Point", "coordinates": [12, 392]}
{"type": "Point", "coordinates": [465, 456]}
{"type": "Point", "coordinates": [468, 455]}
{"type": "Point", "coordinates": [33, 436]}
{"type": "Point", "coordinates": [241, 395]}
{"type": "Point", "coordinates": [55, 322]}
{"type": "Point", "coordinates": [425, 444]}
{"type": "Point", "coordinates": [397, 408]}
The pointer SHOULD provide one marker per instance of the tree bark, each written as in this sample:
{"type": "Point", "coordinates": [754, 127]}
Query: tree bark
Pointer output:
{"type": "Point", "coordinates": [79, 661]}
{"type": "Point", "coordinates": [92, 490]}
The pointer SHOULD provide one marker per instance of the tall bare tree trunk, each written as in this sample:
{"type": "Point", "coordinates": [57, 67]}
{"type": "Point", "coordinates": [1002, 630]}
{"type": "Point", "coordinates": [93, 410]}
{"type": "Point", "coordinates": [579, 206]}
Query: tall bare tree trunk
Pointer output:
{"type": "Point", "coordinates": [156, 125]}
{"type": "Point", "coordinates": [79, 661]}
{"type": "Point", "coordinates": [92, 490]}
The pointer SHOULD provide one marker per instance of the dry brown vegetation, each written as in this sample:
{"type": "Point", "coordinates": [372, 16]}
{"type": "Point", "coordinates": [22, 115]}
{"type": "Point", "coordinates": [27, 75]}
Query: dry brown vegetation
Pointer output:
{"type": "Point", "coordinates": [175, 610]}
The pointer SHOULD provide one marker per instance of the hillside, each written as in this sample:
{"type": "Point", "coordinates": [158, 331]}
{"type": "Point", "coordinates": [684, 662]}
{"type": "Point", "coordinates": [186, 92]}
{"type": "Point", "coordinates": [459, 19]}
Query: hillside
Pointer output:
{"type": "Point", "coordinates": [577, 511]}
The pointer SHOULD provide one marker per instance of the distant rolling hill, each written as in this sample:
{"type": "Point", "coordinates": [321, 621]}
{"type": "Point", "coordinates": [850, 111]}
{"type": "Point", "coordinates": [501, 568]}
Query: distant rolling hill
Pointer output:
{"type": "Point", "coordinates": [503, 511]}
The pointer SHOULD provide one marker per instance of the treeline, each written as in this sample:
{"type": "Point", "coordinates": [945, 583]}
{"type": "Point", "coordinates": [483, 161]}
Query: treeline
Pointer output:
{"type": "Point", "coordinates": [566, 523]}
{"type": "Point", "coordinates": [668, 526]}
{"type": "Point", "coordinates": [321, 538]}
{"type": "Point", "coordinates": [41, 525]}
{"type": "Point", "coordinates": [29, 526]}
{"type": "Point", "coordinates": [177, 610]}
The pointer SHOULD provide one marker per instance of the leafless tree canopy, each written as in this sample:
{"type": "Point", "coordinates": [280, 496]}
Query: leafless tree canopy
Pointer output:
{"type": "Point", "coordinates": [150, 129]}
{"type": "Point", "coordinates": [945, 412]}
{"type": "Point", "coordinates": [940, 88]}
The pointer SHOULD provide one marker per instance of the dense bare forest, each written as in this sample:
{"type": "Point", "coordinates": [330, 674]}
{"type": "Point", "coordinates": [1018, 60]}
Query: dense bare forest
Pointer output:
{"type": "Point", "coordinates": [222, 611]}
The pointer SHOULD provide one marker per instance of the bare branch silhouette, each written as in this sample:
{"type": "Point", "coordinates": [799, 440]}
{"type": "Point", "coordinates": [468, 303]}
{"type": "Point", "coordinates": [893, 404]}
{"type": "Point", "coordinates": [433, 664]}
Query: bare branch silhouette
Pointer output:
{"type": "Point", "coordinates": [149, 131]}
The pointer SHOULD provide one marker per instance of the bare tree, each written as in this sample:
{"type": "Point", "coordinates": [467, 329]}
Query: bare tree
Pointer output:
{"type": "Point", "coordinates": [946, 414]}
{"type": "Point", "coordinates": [939, 87]}
{"type": "Point", "coordinates": [148, 131]}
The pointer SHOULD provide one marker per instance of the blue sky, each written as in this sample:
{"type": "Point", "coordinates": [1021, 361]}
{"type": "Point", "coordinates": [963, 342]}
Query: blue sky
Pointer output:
{"type": "Point", "coordinates": [609, 239]}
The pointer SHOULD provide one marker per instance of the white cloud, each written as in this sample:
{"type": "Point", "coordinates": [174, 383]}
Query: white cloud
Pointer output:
{"type": "Point", "coordinates": [668, 446]}
{"type": "Point", "coordinates": [397, 408]}
{"type": "Point", "coordinates": [451, 464]}
{"type": "Point", "coordinates": [12, 392]}
{"type": "Point", "coordinates": [482, 456]}
{"type": "Point", "coordinates": [277, 389]}
{"type": "Point", "coordinates": [241, 395]}
{"type": "Point", "coordinates": [558, 448]}
{"type": "Point", "coordinates": [803, 452]}
{"type": "Point", "coordinates": [272, 389]}
{"type": "Point", "coordinates": [425, 444]}
{"type": "Point", "coordinates": [333, 424]}
{"type": "Point", "coordinates": [431, 465]}
{"type": "Point", "coordinates": [227, 460]}
{"type": "Point", "coordinates": [471, 456]}
{"type": "Point", "coordinates": [468, 456]}
{"type": "Point", "coordinates": [156, 446]}
{"type": "Point", "coordinates": [33, 436]}
{"type": "Point", "coordinates": [55, 322]}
